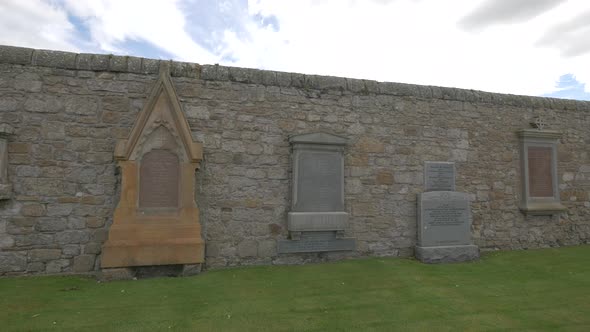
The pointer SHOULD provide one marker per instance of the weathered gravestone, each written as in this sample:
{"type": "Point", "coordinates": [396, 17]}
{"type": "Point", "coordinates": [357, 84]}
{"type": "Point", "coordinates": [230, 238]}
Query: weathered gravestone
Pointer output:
{"type": "Point", "coordinates": [157, 220]}
{"type": "Point", "coordinates": [317, 220]}
{"type": "Point", "coordinates": [444, 218]}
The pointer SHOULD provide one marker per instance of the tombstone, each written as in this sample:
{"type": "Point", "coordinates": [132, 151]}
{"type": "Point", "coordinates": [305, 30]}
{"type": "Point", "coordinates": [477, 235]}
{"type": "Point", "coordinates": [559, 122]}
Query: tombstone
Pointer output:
{"type": "Point", "coordinates": [444, 218]}
{"type": "Point", "coordinates": [157, 220]}
{"type": "Point", "coordinates": [317, 220]}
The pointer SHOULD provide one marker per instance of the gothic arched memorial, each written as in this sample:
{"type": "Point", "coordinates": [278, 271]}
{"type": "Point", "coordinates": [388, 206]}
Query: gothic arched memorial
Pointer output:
{"type": "Point", "coordinates": [157, 220]}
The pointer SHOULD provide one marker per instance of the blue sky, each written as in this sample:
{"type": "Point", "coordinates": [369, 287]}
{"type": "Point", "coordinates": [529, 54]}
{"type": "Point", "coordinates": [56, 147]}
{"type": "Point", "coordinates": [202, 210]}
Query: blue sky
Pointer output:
{"type": "Point", "coordinates": [531, 47]}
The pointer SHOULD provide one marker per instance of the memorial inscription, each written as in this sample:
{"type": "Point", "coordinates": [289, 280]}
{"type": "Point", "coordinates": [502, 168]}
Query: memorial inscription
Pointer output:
{"type": "Point", "coordinates": [540, 177]}
{"type": "Point", "coordinates": [317, 220]}
{"type": "Point", "coordinates": [158, 180]}
{"type": "Point", "coordinates": [439, 176]}
{"type": "Point", "coordinates": [444, 219]}
{"type": "Point", "coordinates": [319, 186]}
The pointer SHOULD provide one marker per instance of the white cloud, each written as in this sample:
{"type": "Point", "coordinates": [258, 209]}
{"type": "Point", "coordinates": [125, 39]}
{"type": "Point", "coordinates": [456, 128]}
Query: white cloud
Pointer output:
{"type": "Point", "coordinates": [35, 24]}
{"type": "Point", "coordinates": [161, 23]}
{"type": "Point", "coordinates": [408, 41]}
{"type": "Point", "coordinates": [412, 41]}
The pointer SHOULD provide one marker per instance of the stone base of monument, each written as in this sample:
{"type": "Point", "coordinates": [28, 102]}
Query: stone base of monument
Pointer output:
{"type": "Point", "coordinates": [447, 254]}
{"type": "Point", "coordinates": [154, 271]}
{"type": "Point", "coordinates": [121, 273]}
{"type": "Point", "coordinates": [316, 242]}
{"type": "Point", "coordinates": [158, 244]}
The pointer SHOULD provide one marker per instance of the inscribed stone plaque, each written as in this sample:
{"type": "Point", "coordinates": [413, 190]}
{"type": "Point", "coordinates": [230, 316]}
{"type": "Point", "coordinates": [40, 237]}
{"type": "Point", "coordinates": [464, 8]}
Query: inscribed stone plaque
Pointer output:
{"type": "Point", "coordinates": [315, 242]}
{"type": "Point", "coordinates": [319, 181]}
{"type": "Point", "coordinates": [444, 219]}
{"type": "Point", "coordinates": [158, 180]}
{"type": "Point", "coordinates": [317, 221]}
{"type": "Point", "coordinates": [439, 176]}
{"type": "Point", "coordinates": [540, 176]}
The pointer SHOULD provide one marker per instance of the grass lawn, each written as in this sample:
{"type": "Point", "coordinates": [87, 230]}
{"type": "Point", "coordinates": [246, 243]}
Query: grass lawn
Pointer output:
{"type": "Point", "coordinates": [532, 290]}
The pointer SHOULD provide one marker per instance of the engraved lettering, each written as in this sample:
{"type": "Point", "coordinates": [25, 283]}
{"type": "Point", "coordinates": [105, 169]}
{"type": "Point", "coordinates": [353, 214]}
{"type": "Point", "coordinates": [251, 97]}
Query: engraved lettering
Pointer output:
{"type": "Point", "coordinates": [540, 175]}
{"type": "Point", "coordinates": [159, 180]}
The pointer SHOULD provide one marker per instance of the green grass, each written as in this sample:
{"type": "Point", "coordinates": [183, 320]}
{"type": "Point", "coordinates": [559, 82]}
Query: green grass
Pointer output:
{"type": "Point", "coordinates": [522, 290]}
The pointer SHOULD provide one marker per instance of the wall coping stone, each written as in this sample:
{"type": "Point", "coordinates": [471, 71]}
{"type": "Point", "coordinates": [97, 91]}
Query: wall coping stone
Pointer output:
{"type": "Point", "coordinates": [130, 64]}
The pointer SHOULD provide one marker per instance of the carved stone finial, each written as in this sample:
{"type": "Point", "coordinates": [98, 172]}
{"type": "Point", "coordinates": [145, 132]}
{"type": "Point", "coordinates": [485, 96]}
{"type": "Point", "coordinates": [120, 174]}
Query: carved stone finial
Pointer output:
{"type": "Point", "coordinates": [539, 123]}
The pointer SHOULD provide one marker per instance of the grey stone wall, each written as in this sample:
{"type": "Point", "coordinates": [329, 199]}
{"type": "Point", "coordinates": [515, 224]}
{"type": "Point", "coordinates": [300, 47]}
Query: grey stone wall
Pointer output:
{"type": "Point", "coordinates": [69, 109]}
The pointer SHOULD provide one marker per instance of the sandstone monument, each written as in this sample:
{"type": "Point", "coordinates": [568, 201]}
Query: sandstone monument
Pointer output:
{"type": "Point", "coordinates": [157, 221]}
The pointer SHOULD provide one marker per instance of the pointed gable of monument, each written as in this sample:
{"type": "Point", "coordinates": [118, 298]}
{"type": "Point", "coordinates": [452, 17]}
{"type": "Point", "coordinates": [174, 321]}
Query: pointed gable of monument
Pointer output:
{"type": "Point", "coordinates": [160, 125]}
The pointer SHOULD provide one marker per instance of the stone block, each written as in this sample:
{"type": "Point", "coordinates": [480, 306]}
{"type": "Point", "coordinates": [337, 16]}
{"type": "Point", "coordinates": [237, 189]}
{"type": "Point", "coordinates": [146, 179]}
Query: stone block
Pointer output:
{"type": "Point", "coordinates": [56, 59]}
{"type": "Point", "coordinates": [72, 237]}
{"type": "Point", "coordinates": [94, 222]}
{"type": "Point", "coordinates": [370, 145]}
{"type": "Point", "coordinates": [118, 63]}
{"type": "Point", "coordinates": [71, 250]}
{"type": "Point", "coordinates": [33, 210]}
{"type": "Point", "coordinates": [100, 62]}
{"type": "Point", "coordinates": [447, 254]}
{"type": "Point", "coordinates": [36, 255]}
{"type": "Point", "coordinates": [51, 225]}
{"type": "Point", "coordinates": [248, 248]}
{"type": "Point", "coordinates": [384, 177]}
{"type": "Point", "coordinates": [267, 248]}
{"type": "Point", "coordinates": [36, 267]}
{"type": "Point", "coordinates": [150, 66]}
{"type": "Point", "coordinates": [57, 266]}
{"type": "Point", "coordinates": [83, 263]}
{"type": "Point", "coordinates": [12, 262]}
{"type": "Point", "coordinates": [15, 55]}
{"type": "Point", "coordinates": [6, 241]}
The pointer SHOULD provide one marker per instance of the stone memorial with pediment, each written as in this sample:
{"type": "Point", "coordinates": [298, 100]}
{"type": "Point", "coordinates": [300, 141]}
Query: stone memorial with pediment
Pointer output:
{"type": "Point", "coordinates": [444, 218]}
{"type": "Point", "coordinates": [157, 220]}
{"type": "Point", "coordinates": [539, 176]}
{"type": "Point", "coordinates": [317, 220]}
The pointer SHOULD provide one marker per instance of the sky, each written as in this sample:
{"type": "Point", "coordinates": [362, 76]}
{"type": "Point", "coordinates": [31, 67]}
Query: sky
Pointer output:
{"type": "Point", "coordinates": [528, 47]}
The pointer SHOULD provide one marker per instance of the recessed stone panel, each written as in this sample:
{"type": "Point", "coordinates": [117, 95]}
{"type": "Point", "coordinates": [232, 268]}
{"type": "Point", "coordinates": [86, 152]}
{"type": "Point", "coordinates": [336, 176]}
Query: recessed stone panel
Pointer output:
{"type": "Point", "coordinates": [439, 176]}
{"type": "Point", "coordinates": [316, 242]}
{"type": "Point", "coordinates": [540, 177]}
{"type": "Point", "coordinates": [319, 181]}
{"type": "Point", "coordinates": [317, 221]}
{"type": "Point", "coordinates": [158, 180]}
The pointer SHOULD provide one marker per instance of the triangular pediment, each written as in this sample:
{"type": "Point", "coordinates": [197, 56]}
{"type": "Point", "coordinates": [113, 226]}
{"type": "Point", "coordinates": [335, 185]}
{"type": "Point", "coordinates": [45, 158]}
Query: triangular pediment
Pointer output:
{"type": "Point", "coordinates": [160, 124]}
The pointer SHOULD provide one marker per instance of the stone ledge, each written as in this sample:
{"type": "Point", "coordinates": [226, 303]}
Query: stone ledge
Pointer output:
{"type": "Point", "coordinates": [130, 64]}
{"type": "Point", "coordinates": [447, 254]}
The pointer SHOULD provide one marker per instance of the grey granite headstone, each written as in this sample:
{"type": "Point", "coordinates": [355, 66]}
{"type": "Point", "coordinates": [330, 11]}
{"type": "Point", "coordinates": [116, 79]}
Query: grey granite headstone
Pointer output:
{"type": "Point", "coordinates": [317, 220]}
{"type": "Point", "coordinates": [444, 218]}
{"type": "Point", "coordinates": [444, 228]}
{"type": "Point", "coordinates": [439, 176]}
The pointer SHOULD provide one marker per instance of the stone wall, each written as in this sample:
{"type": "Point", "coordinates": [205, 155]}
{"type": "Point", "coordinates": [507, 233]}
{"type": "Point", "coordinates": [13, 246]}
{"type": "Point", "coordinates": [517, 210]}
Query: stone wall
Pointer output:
{"type": "Point", "coordinates": [69, 109]}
